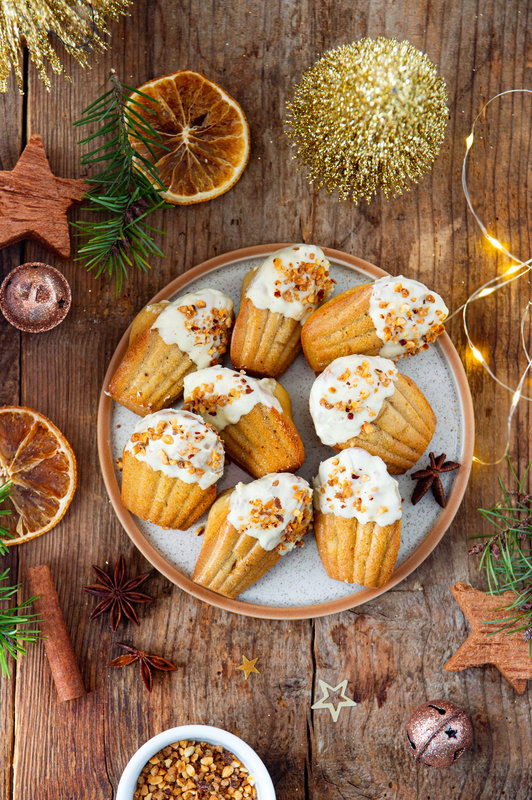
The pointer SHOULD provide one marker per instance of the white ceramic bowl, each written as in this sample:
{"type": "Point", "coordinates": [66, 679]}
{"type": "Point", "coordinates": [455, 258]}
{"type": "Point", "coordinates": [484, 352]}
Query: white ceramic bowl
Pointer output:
{"type": "Point", "coordinates": [196, 733]}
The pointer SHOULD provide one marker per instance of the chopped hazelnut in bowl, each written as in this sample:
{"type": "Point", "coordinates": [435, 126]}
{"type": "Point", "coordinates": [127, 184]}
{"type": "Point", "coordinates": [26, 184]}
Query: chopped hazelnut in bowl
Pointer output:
{"type": "Point", "coordinates": [195, 761]}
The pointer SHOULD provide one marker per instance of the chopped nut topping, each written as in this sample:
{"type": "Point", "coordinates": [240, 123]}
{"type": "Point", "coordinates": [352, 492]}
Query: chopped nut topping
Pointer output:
{"type": "Point", "coordinates": [307, 282]}
{"type": "Point", "coordinates": [205, 400]}
{"type": "Point", "coordinates": [180, 446]}
{"type": "Point", "coordinates": [290, 522]}
{"type": "Point", "coordinates": [208, 326]}
{"type": "Point", "coordinates": [395, 317]}
{"type": "Point", "coordinates": [353, 379]}
{"type": "Point", "coordinates": [195, 771]}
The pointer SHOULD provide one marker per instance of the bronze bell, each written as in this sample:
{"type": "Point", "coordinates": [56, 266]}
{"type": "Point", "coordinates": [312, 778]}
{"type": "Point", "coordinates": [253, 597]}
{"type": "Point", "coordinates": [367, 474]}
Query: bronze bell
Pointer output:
{"type": "Point", "coordinates": [438, 733]}
{"type": "Point", "coordinates": [35, 297]}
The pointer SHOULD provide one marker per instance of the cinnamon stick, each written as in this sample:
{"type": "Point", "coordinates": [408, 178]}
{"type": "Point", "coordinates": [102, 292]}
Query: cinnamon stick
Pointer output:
{"type": "Point", "coordinates": [58, 645]}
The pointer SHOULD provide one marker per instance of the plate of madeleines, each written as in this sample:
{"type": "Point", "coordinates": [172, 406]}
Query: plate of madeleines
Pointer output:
{"type": "Point", "coordinates": [260, 422]}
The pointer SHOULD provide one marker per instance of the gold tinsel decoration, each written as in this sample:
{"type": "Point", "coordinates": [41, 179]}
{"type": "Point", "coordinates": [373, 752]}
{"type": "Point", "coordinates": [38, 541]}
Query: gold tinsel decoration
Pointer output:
{"type": "Point", "coordinates": [368, 115]}
{"type": "Point", "coordinates": [79, 26]}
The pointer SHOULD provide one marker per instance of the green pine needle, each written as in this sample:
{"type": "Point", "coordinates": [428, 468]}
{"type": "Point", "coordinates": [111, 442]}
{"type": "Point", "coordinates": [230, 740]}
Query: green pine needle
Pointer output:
{"type": "Point", "coordinates": [120, 192]}
{"type": "Point", "coordinates": [13, 637]}
{"type": "Point", "coordinates": [506, 556]}
{"type": "Point", "coordinates": [5, 491]}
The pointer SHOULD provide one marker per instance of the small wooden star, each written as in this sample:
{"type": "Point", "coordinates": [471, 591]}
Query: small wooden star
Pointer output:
{"type": "Point", "coordinates": [34, 203]}
{"type": "Point", "coordinates": [486, 644]}
{"type": "Point", "coordinates": [327, 691]}
{"type": "Point", "coordinates": [248, 666]}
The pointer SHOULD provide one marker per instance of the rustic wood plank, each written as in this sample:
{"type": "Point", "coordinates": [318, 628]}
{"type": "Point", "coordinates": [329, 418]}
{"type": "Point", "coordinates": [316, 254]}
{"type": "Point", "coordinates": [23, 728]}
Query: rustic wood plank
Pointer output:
{"type": "Point", "coordinates": [391, 650]}
{"type": "Point", "coordinates": [11, 127]}
{"type": "Point", "coordinates": [264, 711]}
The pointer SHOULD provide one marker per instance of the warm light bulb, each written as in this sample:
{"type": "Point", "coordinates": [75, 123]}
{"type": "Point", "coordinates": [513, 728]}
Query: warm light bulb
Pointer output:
{"type": "Point", "coordinates": [478, 355]}
{"type": "Point", "coordinates": [494, 242]}
{"type": "Point", "coordinates": [469, 140]}
{"type": "Point", "coordinates": [486, 292]}
{"type": "Point", "coordinates": [515, 268]}
{"type": "Point", "coordinates": [515, 398]}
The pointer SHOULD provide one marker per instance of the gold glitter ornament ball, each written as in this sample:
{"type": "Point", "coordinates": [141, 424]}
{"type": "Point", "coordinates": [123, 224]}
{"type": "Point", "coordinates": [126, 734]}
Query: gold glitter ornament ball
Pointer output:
{"type": "Point", "coordinates": [368, 115]}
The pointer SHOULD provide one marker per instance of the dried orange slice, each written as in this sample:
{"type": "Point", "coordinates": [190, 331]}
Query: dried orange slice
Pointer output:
{"type": "Point", "coordinates": [40, 463]}
{"type": "Point", "coordinates": [204, 130]}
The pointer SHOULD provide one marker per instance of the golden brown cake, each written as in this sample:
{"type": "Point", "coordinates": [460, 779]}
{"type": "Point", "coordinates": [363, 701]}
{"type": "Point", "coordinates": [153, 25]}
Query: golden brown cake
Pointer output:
{"type": "Point", "coordinates": [168, 341]}
{"type": "Point", "coordinates": [249, 529]}
{"type": "Point", "coordinates": [363, 401]}
{"type": "Point", "coordinates": [253, 418]}
{"type": "Point", "coordinates": [357, 518]}
{"type": "Point", "coordinates": [276, 299]}
{"type": "Point", "coordinates": [170, 468]}
{"type": "Point", "coordinates": [391, 317]}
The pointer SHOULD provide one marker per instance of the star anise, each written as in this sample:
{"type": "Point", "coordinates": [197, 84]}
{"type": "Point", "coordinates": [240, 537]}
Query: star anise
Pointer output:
{"type": "Point", "coordinates": [429, 478]}
{"type": "Point", "coordinates": [147, 662]}
{"type": "Point", "coordinates": [118, 593]}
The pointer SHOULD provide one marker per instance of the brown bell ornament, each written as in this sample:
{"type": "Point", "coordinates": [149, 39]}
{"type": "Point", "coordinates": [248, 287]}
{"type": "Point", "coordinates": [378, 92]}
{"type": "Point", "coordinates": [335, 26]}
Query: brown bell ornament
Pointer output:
{"type": "Point", "coordinates": [438, 732]}
{"type": "Point", "coordinates": [35, 297]}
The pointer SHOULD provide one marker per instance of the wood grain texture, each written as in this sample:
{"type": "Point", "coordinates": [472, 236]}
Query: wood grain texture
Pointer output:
{"type": "Point", "coordinates": [11, 142]}
{"type": "Point", "coordinates": [393, 649]}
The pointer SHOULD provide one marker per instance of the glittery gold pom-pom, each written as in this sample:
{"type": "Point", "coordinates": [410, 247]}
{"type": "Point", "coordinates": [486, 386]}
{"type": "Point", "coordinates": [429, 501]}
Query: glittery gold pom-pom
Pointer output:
{"type": "Point", "coordinates": [369, 115]}
{"type": "Point", "coordinates": [78, 26]}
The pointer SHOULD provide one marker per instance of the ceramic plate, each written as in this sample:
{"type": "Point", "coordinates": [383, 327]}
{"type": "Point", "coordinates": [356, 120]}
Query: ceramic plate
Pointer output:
{"type": "Point", "coordinates": [298, 586]}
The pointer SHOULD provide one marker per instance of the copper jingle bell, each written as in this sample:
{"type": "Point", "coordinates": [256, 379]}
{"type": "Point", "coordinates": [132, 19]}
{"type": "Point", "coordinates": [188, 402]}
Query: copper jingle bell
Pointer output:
{"type": "Point", "coordinates": [438, 733]}
{"type": "Point", "coordinates": [35, 297]}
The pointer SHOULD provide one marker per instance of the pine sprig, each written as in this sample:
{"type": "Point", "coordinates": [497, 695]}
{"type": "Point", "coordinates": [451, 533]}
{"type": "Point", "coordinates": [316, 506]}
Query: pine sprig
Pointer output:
{"type": "Point", "coordinates": [125, 189]}
{"type": "Point", "coordinates": [13, 637]}
{"type": "Point", "coordinates": [506, 555]}
{"type": "Point", "coordinates": [5, 491]}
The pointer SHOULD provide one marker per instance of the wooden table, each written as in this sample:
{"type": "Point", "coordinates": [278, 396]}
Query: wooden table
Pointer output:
{"type": "Point", "coordinates": [390, 650]}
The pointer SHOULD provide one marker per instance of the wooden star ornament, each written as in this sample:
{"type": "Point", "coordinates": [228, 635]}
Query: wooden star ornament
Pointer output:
{"type": "Point", "coordinates": [34, 203]}
{"type": "Point", "coordinates": [509, 653]}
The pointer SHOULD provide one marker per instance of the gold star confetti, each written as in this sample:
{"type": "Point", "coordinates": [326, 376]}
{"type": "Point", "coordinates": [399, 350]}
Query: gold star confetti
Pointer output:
{"type": "Point", "coordinates": [248, 666]}
{"type": "Point", "coordinates": [327, 691]}
{"type": "Point", "coordinates": [368, 115]}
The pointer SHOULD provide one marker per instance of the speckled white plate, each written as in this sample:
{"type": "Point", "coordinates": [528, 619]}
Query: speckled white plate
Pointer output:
{"type": "Point", "coordinates": [298, 586]}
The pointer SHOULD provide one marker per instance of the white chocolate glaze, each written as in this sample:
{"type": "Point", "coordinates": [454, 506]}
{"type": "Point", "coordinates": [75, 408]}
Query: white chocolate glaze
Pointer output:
{"type": "Point", "coordinates": [292, 281]}
{"type": "Point", "coordinates": [222, 396]}
{"type": "Point", "coordinates": [179, 444]}
{"type": "Point", "coordinates": [199, 324]}
{"type": "Point", "coordinates": [348, 396]}
{"type": "Point", "coordinates": [275, 509]}
{"type": "Point", "coordinates": [357, 484]}
{"type": "Point", "coordinates": [406, 315]}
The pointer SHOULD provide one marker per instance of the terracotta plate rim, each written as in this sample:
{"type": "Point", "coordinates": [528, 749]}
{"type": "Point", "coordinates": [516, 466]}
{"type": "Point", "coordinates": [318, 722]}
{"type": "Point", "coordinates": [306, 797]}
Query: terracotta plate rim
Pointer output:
{"type": "Point", "coordinates": [239, 606]}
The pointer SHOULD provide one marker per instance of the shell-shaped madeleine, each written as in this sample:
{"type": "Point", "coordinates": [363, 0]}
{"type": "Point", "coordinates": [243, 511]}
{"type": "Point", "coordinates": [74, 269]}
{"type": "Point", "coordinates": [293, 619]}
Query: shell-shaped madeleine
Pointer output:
{"type": "Point", "coordinates": [340, 327]}
{"type": "Point", "coordinates": [362, 554]}
{"type": "Point", "coordinates": [402, 431]}
{"type": "Point", "coordinates": [155, 497]}
{"type": "Point", "coordinates": [264, 342]}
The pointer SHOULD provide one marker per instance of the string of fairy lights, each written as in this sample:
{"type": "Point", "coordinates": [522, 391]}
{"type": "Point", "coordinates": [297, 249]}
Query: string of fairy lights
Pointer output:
{"type": "Point", "coordinates": [517, 270]}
